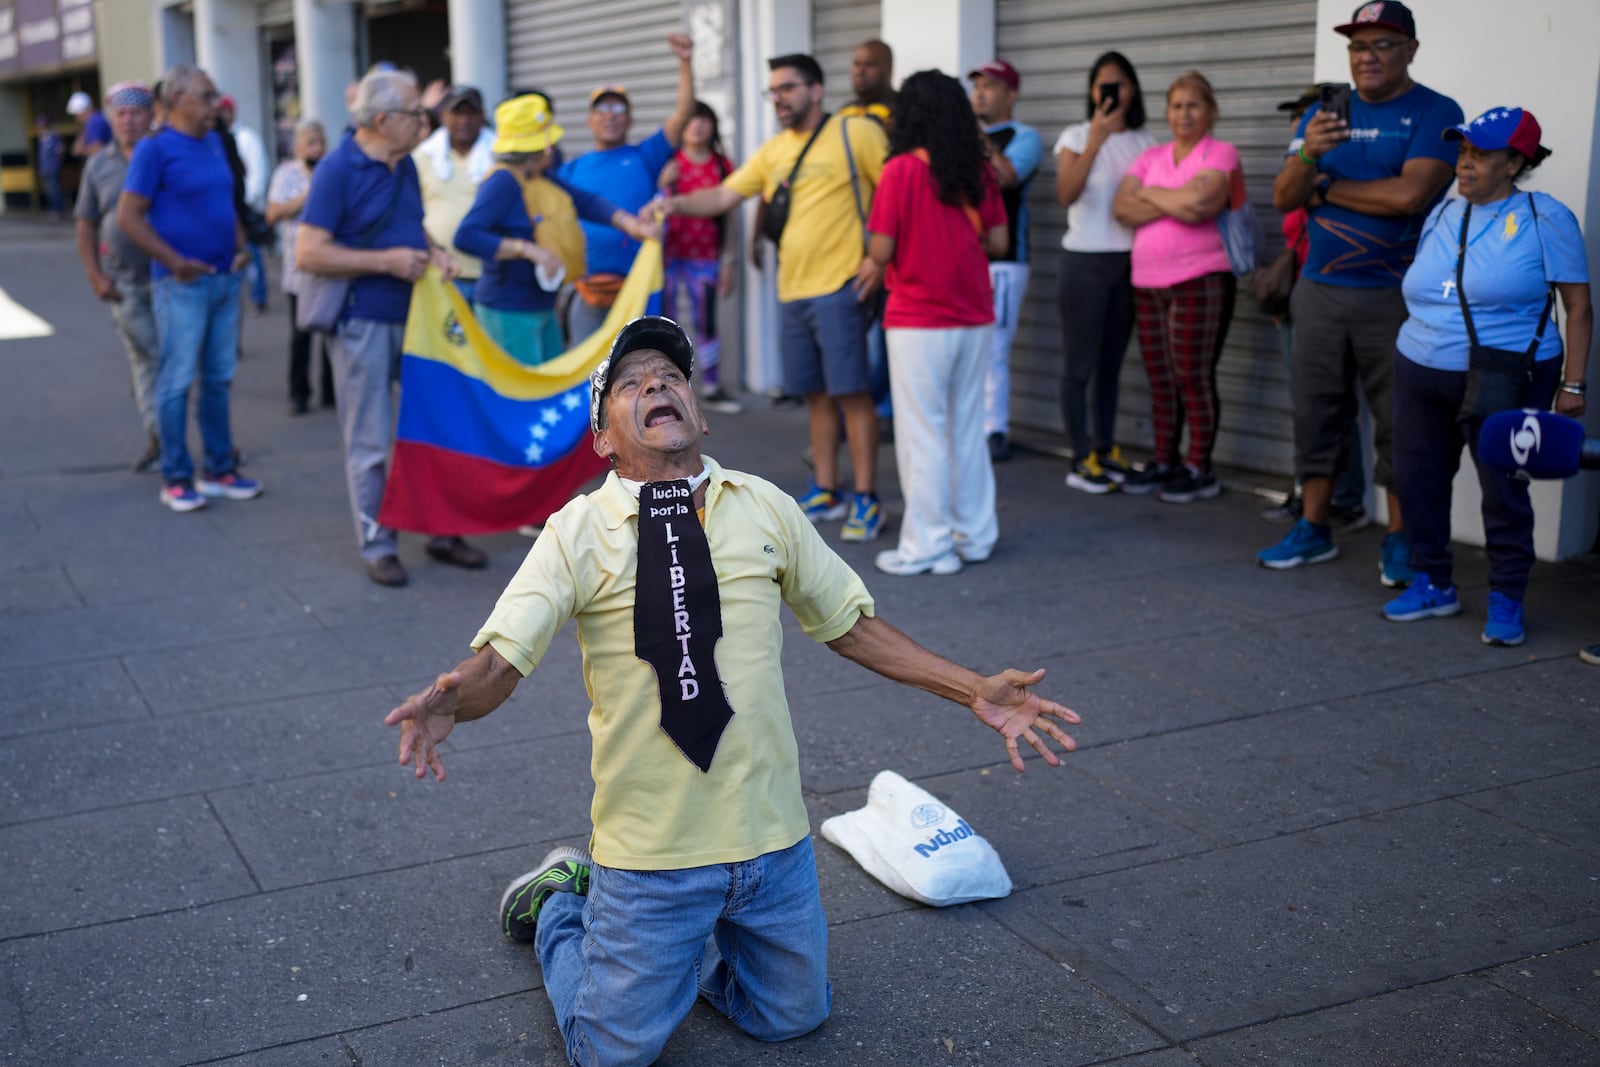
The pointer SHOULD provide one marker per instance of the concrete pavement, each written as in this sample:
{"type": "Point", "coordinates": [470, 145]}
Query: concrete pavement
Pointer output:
{"type": "Point", "coordinates": [1293, 833]}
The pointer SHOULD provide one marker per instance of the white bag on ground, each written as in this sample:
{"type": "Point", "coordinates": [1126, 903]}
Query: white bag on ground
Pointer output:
{"type": "Point", "coordinates": [909, 841]}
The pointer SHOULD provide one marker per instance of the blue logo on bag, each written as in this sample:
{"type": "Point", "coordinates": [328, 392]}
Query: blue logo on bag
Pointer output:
{"type": "Point", "coordinates": [945, 837]}
{"type": "Point", "coordinates": [926, 815]}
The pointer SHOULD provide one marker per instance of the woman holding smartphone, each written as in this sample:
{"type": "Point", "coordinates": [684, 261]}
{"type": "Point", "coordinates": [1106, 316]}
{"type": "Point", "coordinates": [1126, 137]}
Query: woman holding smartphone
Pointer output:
{"type": "Point", "coordinates": [1096, 289]}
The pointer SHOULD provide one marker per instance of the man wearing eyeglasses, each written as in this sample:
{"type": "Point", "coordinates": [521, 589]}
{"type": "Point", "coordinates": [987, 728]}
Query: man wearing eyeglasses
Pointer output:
{"type": "Point", "coordinates": [827, 169]}
{"type": "Point", "coordinates": [177, 206]}
{"type": "Point", "coordinates": [1367, 185]}
{"type": "Point", "coordinates": [363, 221]}
{"type": "Point", "coordinates": [626, 174]}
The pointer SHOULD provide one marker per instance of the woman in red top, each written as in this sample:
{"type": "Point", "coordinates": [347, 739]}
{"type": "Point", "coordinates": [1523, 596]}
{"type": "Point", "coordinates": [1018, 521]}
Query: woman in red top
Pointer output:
{"type": "Point", "coordinates": [698, 272]}
{"type": "Point", "coordinates": [936, 219]}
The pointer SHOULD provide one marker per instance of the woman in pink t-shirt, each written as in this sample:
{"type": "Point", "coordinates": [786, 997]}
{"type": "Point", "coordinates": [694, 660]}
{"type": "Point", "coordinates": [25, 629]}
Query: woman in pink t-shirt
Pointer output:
{"type": "Point", "coordinates": [1172, 195]}
{"type": "Point", "coordinates": [936, 219]}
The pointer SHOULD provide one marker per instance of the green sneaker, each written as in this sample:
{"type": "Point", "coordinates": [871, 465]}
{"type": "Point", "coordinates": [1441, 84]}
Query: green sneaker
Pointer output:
{"type": "Point", "coordinates": [563, 870]}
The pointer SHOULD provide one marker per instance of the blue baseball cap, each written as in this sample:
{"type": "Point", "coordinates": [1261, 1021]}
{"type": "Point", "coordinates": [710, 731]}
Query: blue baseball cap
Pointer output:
{"type": "Point", "coordinates": [1499, 128]}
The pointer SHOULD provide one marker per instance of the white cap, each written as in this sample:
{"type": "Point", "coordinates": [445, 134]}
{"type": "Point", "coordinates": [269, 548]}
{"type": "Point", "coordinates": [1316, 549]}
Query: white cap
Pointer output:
{"type": "Point", "coordinates": [78, 103]}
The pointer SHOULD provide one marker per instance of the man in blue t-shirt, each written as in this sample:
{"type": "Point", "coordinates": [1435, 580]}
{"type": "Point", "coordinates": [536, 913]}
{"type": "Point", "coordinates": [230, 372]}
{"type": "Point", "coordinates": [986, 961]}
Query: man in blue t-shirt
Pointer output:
{"type": "Point", "coordinates": [1367, 185]}
{"type": "Point", "coordinates": [1014, 151]}
{"type": "Point", "coordinates": [177, 205]}
{"type": "Point", "coordinates": [363, 222]}
{"type": "Point", "coordinates": [626, 175]}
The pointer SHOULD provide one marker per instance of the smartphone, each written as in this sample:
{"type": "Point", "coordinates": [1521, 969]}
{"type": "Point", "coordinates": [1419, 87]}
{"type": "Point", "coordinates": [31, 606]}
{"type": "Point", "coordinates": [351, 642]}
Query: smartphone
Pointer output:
{"type": "Point", "coordinates": [1335, 100]}
{"type": "Point", "coordinates": [1112, 93]}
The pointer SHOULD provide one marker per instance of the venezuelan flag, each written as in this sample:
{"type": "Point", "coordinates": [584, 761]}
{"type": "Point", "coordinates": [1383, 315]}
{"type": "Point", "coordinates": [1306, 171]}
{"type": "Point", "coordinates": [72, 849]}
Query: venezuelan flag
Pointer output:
{"type": "Point", "coordinates": [485, 443]}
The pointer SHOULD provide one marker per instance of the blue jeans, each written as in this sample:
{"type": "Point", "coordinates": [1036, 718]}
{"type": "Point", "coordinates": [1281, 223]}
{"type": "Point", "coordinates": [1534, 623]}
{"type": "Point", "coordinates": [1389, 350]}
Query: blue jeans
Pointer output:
{"type": "Point", "coordinates": [624, 964]}
{"type": "Point", "coordinates": [258, 278]}
{"type": "Point", "coordinates": [197, 327]}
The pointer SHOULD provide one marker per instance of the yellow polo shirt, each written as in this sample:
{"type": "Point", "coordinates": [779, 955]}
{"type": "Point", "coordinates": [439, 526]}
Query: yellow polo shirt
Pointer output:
{"type": "Point", "coordinates": [821, 247]}
{"type": "Point", "coordinates": [653, 809]}
{"type": "Point", "coordinates": [445, 204]}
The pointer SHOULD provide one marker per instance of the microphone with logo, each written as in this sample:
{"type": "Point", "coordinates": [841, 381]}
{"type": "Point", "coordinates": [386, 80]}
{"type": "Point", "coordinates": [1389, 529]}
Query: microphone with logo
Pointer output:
{"type": "Point", "coordinates": [1531, 444]}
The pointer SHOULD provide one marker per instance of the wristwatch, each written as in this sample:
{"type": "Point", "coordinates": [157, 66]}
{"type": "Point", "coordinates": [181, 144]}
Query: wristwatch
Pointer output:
{"type": "Point", "coordinates": [1575, 388]}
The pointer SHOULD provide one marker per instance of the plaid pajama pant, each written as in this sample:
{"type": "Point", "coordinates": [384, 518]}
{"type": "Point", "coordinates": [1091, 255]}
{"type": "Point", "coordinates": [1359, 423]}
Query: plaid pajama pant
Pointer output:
{"type": "Point", "coordinates": [1178, 329]}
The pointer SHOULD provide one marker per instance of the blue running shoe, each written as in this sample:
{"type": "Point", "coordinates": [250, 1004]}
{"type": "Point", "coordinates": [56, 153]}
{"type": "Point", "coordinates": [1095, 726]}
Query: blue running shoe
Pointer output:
{"type": "Point", "coordinates": [866, 518]}
{"type": "Point", "coordinates": [1505, 621]}
{"type": "Point", "coordinates": [1304, 543]}
{"type": "Point", "coordinates": [563, 870]}
{"type": "Point", "coordinates": [1422, 600]}
{"type": "Point", "coordinates": [181, 497]}
{"type": "Point", "coordinates": [822, 505]}
{"type": "Point", "coordinates": [1394, 568]}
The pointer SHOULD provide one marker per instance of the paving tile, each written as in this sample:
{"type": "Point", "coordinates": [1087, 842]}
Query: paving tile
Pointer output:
{"type": "Point", "coordinates": [377, 818]}
{"type": "Point", "coordinates": [1274, 774]}
{"type": "Point", "coordinates": [1560, 807]}
{"type": "Point", "coordinates": [93, 691]}
{"type": "Point", "coordinates": [205, 618]}
{"type": "Point", "coordinates": [91, 769]}
{"type": "Point", "coordinates": [263, 971]}
{"type": "Point", "coordinates": [194, 678]}
{"type": "Point", "coordinates": [1563, 687]}
{"type": "Point", "coordinates": [37, 591]}
{"type": "Point", "coordinates": [515, 1029]}
{"type": "Point", "coordinates": [130, 861]}
{"type": "Point", "coordinates": [1564, 984]}
{"type": "Point", "coordinates": [1243, 935]}
{"type": "Point", "coordinates": [1460, 1021]}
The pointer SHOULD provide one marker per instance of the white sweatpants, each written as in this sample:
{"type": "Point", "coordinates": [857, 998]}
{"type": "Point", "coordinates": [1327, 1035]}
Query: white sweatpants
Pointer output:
{"type": "Point", "coordinates": [1010, 281]}
{"type": "Point", "coordinates": [936, 379]}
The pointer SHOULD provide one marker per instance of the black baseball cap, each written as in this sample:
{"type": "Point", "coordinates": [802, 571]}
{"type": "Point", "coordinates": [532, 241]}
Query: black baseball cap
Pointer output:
{"type": "Point", "coordinates": [462, 94]}
{"type": "Point", "coordinates": [657, 333]}
{"type": "Point", "coordinates": [1385, 14]}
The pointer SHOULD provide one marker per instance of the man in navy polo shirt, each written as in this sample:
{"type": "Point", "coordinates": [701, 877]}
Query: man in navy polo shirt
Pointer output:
{"type": "Point", "coordinates": [363, 221]}
{"type": "Point", "coordinates": [1367, 186]}
{"type": "Point", "coordinates": [177, 205]}
{"type": "Point", "coordinates": [626, 175]}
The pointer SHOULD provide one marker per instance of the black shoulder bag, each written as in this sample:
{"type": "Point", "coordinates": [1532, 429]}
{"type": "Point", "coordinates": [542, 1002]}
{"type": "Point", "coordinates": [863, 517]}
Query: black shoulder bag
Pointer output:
{"type": "Point", "coordinates": [778, 207]}
{"type": "Point", "coordinates": [1496, 377]}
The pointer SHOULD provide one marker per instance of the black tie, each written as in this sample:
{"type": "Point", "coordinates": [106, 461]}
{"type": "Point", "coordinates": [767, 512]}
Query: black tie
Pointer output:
{"type": "Point", "coordinates": [677, 619]}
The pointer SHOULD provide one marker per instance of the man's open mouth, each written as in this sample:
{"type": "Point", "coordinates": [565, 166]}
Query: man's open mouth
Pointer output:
{"type": "Point", "coordinates": [660, 415]}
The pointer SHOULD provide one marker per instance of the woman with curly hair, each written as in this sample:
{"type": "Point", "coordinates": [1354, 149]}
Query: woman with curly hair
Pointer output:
{"type": "Point", "coordinates": [936, 219]}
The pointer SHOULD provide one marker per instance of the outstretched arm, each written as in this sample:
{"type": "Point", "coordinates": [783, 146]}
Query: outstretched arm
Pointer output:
{"type": "Point", "coordinates": [475, 688]}
{"type": "Point", "coordinates": [682, 46]}
{"type": "Point", "coordinates": [1004, 701]}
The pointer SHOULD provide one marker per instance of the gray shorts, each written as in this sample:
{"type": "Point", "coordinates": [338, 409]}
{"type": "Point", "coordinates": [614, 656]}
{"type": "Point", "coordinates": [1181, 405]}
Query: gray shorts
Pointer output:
{"type": "Point", "coordinates": [1341, 332]}
{"type": "Point", "coordinates": [822, 342]}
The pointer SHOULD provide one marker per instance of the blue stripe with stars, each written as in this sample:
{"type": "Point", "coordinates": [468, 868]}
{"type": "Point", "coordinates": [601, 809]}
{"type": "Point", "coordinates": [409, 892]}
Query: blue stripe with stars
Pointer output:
{"type": "Point", "coordinates": [465, 415]}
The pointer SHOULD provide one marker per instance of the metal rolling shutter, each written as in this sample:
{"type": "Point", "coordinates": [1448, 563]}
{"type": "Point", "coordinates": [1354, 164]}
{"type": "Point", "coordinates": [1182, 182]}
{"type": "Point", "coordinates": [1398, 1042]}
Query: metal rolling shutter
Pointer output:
{"type": "Point", "coordinates": [1255, 53]}
{"type": "Point", "coordinates": [566, 48]}
{"type": "Point", "coordinates": [837, 28]}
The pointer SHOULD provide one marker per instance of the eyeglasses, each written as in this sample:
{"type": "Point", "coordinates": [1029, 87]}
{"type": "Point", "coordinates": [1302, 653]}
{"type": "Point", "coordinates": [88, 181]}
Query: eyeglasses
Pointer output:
{"type": "Point", "coordinates": [1380, 48]}
{"type": "Point", "coordinates": [784, 89]}
{"type": "Point", "coordinates": [610, 107]}
{"type": "Point", "coordinates": [419, 113]}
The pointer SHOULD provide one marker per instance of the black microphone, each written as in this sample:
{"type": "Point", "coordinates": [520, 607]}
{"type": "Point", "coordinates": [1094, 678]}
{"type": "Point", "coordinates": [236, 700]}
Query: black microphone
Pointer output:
{"type": "Point", "coordinates": [1536, 444]}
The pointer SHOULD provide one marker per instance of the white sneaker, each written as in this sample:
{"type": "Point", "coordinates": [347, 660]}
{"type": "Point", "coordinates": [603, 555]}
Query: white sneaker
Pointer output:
{"type": "Point", "coordinates": [890, 561]}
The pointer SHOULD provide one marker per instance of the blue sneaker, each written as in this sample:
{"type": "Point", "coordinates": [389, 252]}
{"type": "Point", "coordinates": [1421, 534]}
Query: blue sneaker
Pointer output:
{"type": "Point", "coordinates": [1304, 543]}
{"type": "Point", "coordinates": [822, 505]}
{"type": "Point", "coordinates": [866, 518]}
{"type": "Point", "coordinates": [1422, 600]}
{"type": "Point", "coordinates": [1505, 621]}
{"type": "Point", "coordinates": [181, 497]}
{"type": "Point", "coordinates": [1394, 566]}
{"type": "Point", "coordinates": [232, 485]}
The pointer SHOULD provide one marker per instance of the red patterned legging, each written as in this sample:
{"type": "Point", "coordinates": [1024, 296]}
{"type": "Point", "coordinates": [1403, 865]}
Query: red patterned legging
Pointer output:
{"type": "Point", "coordinates": [1178, 336]}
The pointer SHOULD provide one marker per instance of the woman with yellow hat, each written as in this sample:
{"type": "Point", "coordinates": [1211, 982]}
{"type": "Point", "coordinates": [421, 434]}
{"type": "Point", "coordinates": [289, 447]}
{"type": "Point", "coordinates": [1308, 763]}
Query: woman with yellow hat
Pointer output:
{"type": "Point", "coordinates": [524, 226]}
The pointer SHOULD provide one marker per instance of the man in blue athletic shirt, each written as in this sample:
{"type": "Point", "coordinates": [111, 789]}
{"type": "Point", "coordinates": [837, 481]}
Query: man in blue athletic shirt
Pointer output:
{"type": "Point", "coordinates": [177, 206]}
{"type": "Point", "coordinates": [1367, 185]}
{"type": "Point", "coordinates": [626, 175]}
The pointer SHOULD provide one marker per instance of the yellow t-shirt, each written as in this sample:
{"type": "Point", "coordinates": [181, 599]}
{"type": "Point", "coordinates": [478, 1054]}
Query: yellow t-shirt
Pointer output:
{"type": "Point", "coordinates": [821, 247]}
{"type": "Point", "coordinates": [653, 809]}
{"type": "Point", "coordinates": [445, 204]}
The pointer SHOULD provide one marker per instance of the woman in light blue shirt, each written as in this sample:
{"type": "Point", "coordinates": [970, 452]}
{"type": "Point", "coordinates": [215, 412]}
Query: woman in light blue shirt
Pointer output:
{"type": "Point", "coordinates": [1501, 255]}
